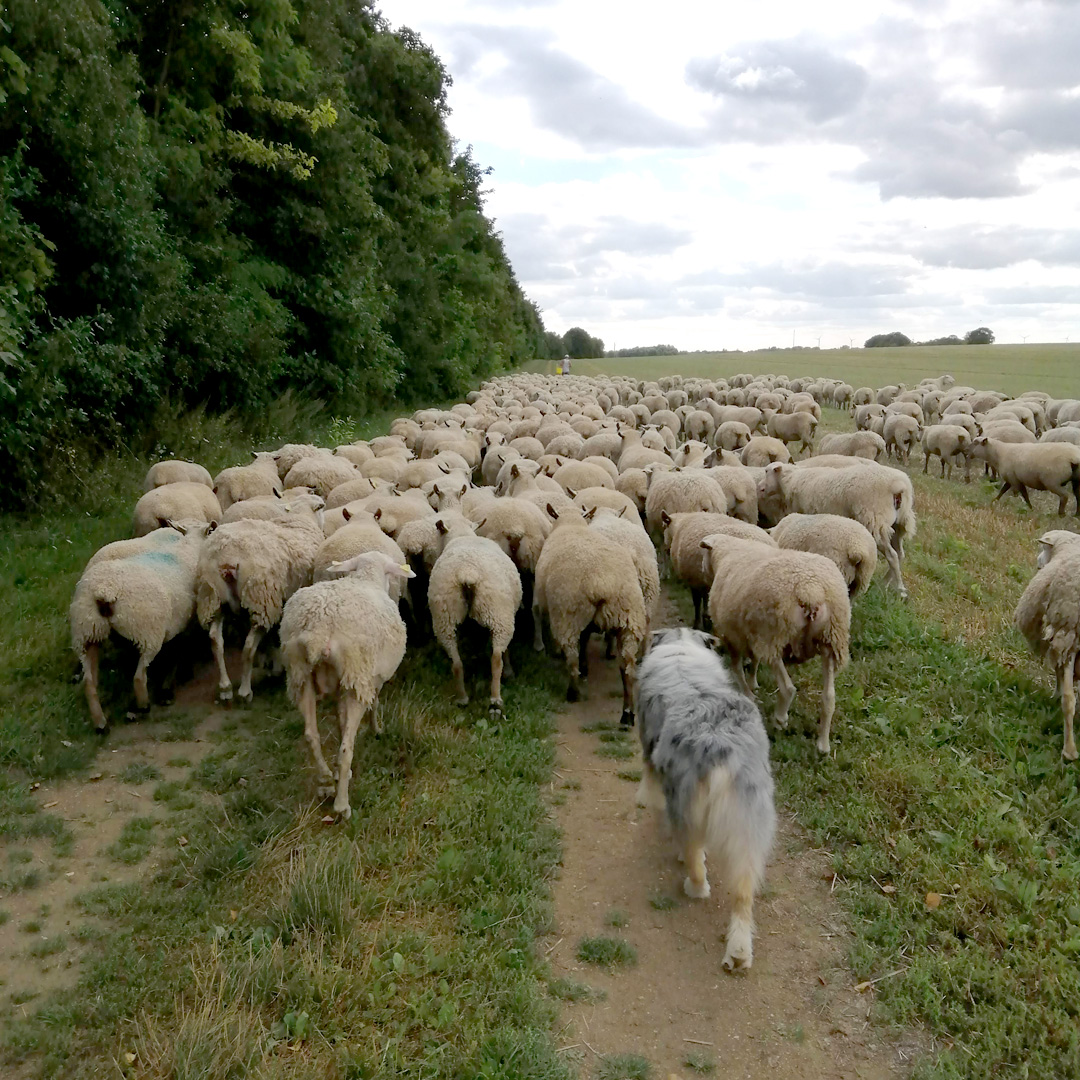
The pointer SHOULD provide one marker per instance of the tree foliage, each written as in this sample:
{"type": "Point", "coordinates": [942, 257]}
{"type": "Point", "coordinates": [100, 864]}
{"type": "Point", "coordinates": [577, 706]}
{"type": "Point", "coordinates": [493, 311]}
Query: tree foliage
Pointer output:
{"type": "Point", "coordinates": [579, 345]}
{"type": "Point", "coordinates": [217, 201]}
{"type": "Point", "coordinates": [982, 335]}
{"type": "Point", "coordinates": [883, 341]}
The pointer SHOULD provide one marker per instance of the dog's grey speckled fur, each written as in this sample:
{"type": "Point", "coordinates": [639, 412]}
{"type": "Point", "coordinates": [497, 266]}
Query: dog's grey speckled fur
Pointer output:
{"type": "Point", "coordinates": [705, 745]}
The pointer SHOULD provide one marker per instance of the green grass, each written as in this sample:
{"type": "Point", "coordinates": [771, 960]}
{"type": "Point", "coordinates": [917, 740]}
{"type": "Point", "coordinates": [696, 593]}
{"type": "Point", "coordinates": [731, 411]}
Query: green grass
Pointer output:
{"type": "Point", "coordinates": [662, 902]}
{"type": "Point", "coordinates": [617, 918]}
{"type": "Point", "coordinates": [624, 1067]}
{"type": "Point", "coordinates": [1009, 368]}
{"type": "Point", "coordinates": [135, 841]}
{"type": "Point", "coordinates": [139, 772]}
{"type": "Point", "coordinates": [606, 952]}
{"type": "Point", "coordinates": [702, 1062]}
{"type": "Point", "coordinates": [574, 991]}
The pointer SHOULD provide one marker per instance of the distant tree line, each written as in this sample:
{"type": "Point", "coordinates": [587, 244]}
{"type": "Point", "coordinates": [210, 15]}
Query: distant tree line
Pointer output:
{"type": "Point", "coordinates": [645, 350]}
{"type": "Point", "coordinates": [217, 202]}
{"type": "Point", "coordinates": [575, 343]}
{"type": "Point", "coordinates": [982, 335]}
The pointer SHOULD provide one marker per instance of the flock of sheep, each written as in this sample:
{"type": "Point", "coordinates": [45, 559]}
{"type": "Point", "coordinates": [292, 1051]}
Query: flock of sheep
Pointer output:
{"type": "Point", "coordinates": [557, 494]}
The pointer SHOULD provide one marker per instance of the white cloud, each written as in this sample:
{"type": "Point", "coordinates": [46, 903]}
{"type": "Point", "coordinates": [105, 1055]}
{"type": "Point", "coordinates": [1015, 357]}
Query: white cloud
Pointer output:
{"type": "Point", "coordinates": [720, 175]}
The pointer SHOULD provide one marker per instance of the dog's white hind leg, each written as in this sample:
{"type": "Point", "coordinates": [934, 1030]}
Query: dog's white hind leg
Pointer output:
{"type": "Point", "coordinates": [740, 935]}
{"type": "Point", "coordinates": [696, 882]}
{"type": "Point", "coordinates": [649, 792]}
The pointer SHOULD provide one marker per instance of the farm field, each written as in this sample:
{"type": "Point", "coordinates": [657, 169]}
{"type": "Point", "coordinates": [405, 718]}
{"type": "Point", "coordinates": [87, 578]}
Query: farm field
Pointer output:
{"type": "Point", "coordinates": [172, 903]}
{"type": "Point", "coordinates": [1011, 369]}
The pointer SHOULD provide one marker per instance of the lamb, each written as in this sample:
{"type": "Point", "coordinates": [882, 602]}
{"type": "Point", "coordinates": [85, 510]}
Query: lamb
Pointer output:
{"type": "Point", "coordinates": [864, 444]}
{"type": "Point", "coordinates": [175, 502]}
{"type": "Point", "coordinates": [1048, 615]}
{"type": "Point", "coordinates": [474, 578]}
{"type": "Point", "coordinates": [770, 605]}
{"type": "Point", "coordinates": [845, 542]}
{"type": "Point", "coordinates": [948, 441]}
{"type": "Point", "coordinates": [584, 581]}
{"type": "Point", "coordinates": [143, 590]}
{"type": "Point", "coordinates": [878, 497]}
{"type": "Point", "coordinates": [254, 567]}
{"type": "Point", "coordinates": [706, 761]}
{"type": "Point", "coordinates": [683, 534]}
{"type": "Point", "coordinates": [901, 433]}
{"type": "Point", "coordinates": [176, 472]}
{"type": "Point", "coordinates": [247, 481]}
{"type": "Point", "coordinates": [1051, 467]}
{"type": "Point", "coordinates": [343, 637]}
{"type": "Point", "coordinates": [795, 427]}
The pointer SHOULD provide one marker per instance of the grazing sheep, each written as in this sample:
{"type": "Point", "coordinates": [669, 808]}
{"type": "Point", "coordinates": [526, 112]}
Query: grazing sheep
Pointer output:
{"type": "Point", "coordinates": [706, 762]}
{"type": "Point", "coordinates": [846, 542]}
{"type": "Point", "coordinates": [772, 605]}
{"type": "Point", "coordinates": [176, 472]}
{"type": "Point", "coordinates": [352, 491]}
{"type": "Point", "coordinates": [355, 538]}
{"type": "Point", "coordinates": [740, 487]}
{"type": "Point", "coordinates": [252, 567]}
{"type": "Point", "coordinates": [796, 427]}
{"type": "Point", "coordinates": [1048, 615]}
{"type": "Point", "coordinates": [629, 533]}
{"type": "Point", "coordinates": [682, 492]}
{"type": "Point", "coordinates": [864, 444]}
{"type": "Point", "coordinates": [948, 442]}
{"type": "Point", "coordinates": [474, 578]}
{"type": "Point", "coordinates": [343, 637]}
{"type": "Point", "coordinates": [878, 497]}
{"type": "Point", "coordinates": [1053, 467]}
{"type": "Point", "coordinates": [182, 501]}
{"type": "Point", "coordinates": [731, 435]}
{"type": "Point", "coordinates": [144, 591]}
{"type": "Point", "coordinates": [901, 434]}
{"type": "Point", "coordinates": [586, 581]}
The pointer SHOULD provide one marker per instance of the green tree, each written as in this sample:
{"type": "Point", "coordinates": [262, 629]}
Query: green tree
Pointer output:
{"type": "Point", "coordinates": [881, 341]}
{"type": "Point", "coordinates": [980, 336]}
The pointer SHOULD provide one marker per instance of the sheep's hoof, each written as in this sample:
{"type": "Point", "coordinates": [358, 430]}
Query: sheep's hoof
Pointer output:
{"type": "Point", "coordinates": [137, 713]}
{"type": "Point", "coordinates": [224, 696]}
{"type": "Point", "coordinates": [573, 693]}
{"type": "Point", "coordinates": [462, 701]}
{"type": "Point", "coordinates": [245, 699]}
{"type": "Point", "coordinates": [327, 790]}
{"type": "Point", "coordinates": [102, 729]}
{"type": "Point", "coordinates": [495, 710]}
{"type": "Point", "coordinates": [627, 718]}
{"type": "Point", "coordinates": [1069, 753]}
{"type": "Point", "coordinates": [344, 813]}
{"type": "Point", "coordinates": [823, 746]}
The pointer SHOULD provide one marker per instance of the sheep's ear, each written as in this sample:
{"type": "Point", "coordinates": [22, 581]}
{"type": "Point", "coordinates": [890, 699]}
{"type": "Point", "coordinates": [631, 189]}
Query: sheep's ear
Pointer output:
{"type": "Point", "coordinates": [255, 454]}
{"type": "Point", "coordinates": [165, 523]}
{"type": "Point", "coordinates": [345, 513]}
{"type": "Point", "coordinates": [378, 514]}
{"type": "Point", "coordinates": [623, 512]}
{"type": "Point", "coordinates": [706, 545]}
{"type": "Point", "coordinates": [665, 517]}
{"type": "Point", "coordinates": [464, 488]}
{"type": "Point", "coordinates": [515, 471]}
{"type": "Point", "coordinates": [435, 489]}
{"type": "Point", "coordinates": [571, 493]}
{"type": "Point", "coordinates": [440, 526]}
{"type": "Point", "coordinates": [210, 527]}
{"type": "Point", "coordinates": [277, 493]}
{"type": "Point", "coordinates": [590, 513]}
{"type": "Point", "coordinates": [443, 467]}
{"type": "Point", "coordinates": [552, 512]}
{"type": "Point", "coordinates": [477, 526]}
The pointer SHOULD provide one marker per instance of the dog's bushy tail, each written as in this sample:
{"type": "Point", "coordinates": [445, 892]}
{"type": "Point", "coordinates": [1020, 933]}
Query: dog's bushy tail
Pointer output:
{"type": "Point", "coordinates": [736, 821]}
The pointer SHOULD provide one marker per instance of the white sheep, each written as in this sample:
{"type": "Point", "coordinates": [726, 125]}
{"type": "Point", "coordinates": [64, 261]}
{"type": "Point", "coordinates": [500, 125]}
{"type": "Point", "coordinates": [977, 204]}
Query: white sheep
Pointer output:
{"type": "Point", "coordinates": [844, 541]}
{"type": "Point", "coordinates": [770, 605]}
{"type": "Point", "coordinates": [1053, 467]}
{"type": "Point", "coordinates": [948, 442]}
{"type": "Point", "coordinates": [1048, 615]}
{"type": "Point", "coordinates": [271, 508]}
{"type": "Point", "coordinates": [763, 450]}
{"type": "Point", "coordinates": [241, 482]}
{"type": "Point", "coordinates": [181, 501]}
{"type": "Point", "coordinates": [343, 637]}
{"type": "Point", "coordinates": [864, 444]}
{"type": "Point", "coordinates": [901, 433]}
{"type": "Point", "coordinates": [474, 578]}
{"type": "Point", "coordinates": [144, 591]}
{"type": "Point", "coordinates": [252, 567]}
{"type": "Point", "coordinates": [175, 472]}
{"type": "Point", "coordinates": [321, 473]}
{"type": "Point", "coordinates": [796, 427]}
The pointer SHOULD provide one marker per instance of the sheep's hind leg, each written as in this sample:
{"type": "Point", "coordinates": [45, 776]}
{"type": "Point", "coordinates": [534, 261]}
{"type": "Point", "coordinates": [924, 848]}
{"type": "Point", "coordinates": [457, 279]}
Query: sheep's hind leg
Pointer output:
{"type": "Point", "coordinates": [142, 692]}
{"type": "Point", "coordinates": [785, 692]}
{"type": "Point", "coordinates": [350, 714]}
{"type": "Point", "coordinates": [627, 670]}
{"type": "Point", "coordinates": [458, 668]}
{"type": "Point", "coordinates": [496, 706]}
{"type": "Point", "coordinates": [1068, 707]}
{"type": "Point", "coordinates": [89, 662]}
{"type": "Point", "coordinates": [828, 701]}
{"type": "Point", "coordinates": [217, 643]}
{"type": "Point", "coordinates": [307, 706]}
{"type": "Point", "coordinates": [251, 645]}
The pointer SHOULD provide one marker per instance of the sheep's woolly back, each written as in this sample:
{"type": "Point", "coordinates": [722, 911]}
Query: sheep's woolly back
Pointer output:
{"type": "Point", "coordinates": [778, 605]}
{"type": "Point", "coordinates": [583, 578]}
{"type": "Point", "coordinates": [474, 578]}
{"type": "Point", "coordinates": [636, 540]}
{"type": "Point", "coordinates": [143, 589]}
{"type": "Point", "coordinates": [346, 632]}
{"type": "Point", "coordinates": [246, 481]}
{"type": "Point", "coordinates": [256, 566]}
{"type": "Point", "coordinates": [353, 539]}
{"type": "Point", "coordinates": [175, 502]}
{"type": "Point", "coordinates": [519, 527]}
{"type": "Point", "coordinates": [174, 472]}
{"type": "Point", "coordinates": [1048, 613]}
{"type": "Point", "coordinates": [322, 473]}
{"type": "Point", "coordinates": [682, 492]}
{"type": "Point", "coordinates": [685, 533]}
{"type": "Point", "coordinates": [847, 543]}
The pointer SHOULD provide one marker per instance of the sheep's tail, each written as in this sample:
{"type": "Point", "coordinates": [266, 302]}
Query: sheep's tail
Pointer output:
{"type": "Point", "coordinates": [904, 507]}
{"type": "Point", "coordinates": [92, 611]}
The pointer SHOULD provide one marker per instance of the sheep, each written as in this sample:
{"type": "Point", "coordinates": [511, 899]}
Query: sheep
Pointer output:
{"type": "Point", "coordinates": [288, 455]}
{"type": "Point", "coordinates": [878, 497]}
{"type": "Point", "coordinates": [763, 450]}
{"type": "Point", "coordinates": [740, 488]}
{"type": "Point", "coordinates": [585, 580]}
{"type": "Point", "coordinates": [591, 498]}
{"type": "Point", "coordinates": [1051, 467]}
{"type": "Point", "coordinates": [247, 481]}
{"type": "Point", "coordinates": [352, 491]}
{"type": "Point", "coordinates": [174, 502]}
{"type": "Point", "coordinates": [948, 441]}
{"type": "Point", "coordinates": [343, 637]}
{"type": "Point", "coordinates": [845, 542]}
{"type": "Point", "coordinates": [864, 444]}
{"type": "Point", "coordinates": [635, 539]}
{"type": "Point", "coordinates": [352, 540]}
{"type": "Point", "coordinates": [254, 567]}
{"type": "Point", "coordinates": [683, 534]}
{"type": "Point", "coordinates": [681, 492]}
{"type": "Point", "coordinates": [1048, 615]}
{"type": "Point", "coordinates": [901, 433]}
{"type": "Point", "coordinates": [865, 414]}
{"type": "Point", "coordinates": [706, 761]}
{"type": "Point", "coordinates": [575, 475]}
{"type": "Point", "coordinates": [1059, 435]}
{"type": "Point", "coordinates": [271, 508]}
{"type": "Point", "coordinates": [322, 473]}
{"type": "Point", "coordinates": [731, 435]}
{"type": "Point", "coordinates": [175, 472]}
{"type": "Point", "coordinates": [144, 591]}
{"type": "Point", "coordinates": [770, 605]}
{"type": "Point", "coordinates": [474, 578]}
{"type": "Point", "coordinates": [359, 453]}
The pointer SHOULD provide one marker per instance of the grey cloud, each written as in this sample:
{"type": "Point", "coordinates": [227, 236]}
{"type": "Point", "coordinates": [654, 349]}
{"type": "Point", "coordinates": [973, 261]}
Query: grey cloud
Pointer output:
{"type": "Point", "coordinates": [832, 280]}
{"type": "Point", "coordinates": [565, 95]}
{"type": "Point", "coordinates": [992, 247]}
{"type": "Point", "coordinates": [1040, 295]}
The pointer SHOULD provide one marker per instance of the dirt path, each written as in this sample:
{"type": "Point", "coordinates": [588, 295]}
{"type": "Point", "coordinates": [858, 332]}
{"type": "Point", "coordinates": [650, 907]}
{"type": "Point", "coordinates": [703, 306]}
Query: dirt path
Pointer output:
{"type": "Point", "coordinates": [795, 1014]}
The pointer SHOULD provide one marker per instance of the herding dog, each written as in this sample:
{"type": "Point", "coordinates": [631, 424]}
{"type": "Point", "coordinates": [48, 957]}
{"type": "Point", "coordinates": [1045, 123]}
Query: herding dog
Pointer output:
{"type": "Point", "coordinates": [706, 761]}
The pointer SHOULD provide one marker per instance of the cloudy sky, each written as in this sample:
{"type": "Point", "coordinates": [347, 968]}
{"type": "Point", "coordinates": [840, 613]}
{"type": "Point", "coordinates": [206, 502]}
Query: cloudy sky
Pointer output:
{"type": "Point", "coordinates": [722, 175]}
